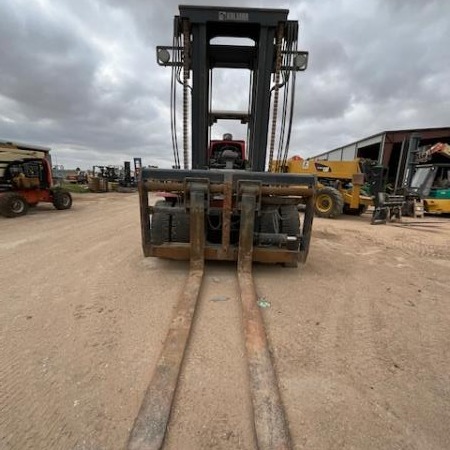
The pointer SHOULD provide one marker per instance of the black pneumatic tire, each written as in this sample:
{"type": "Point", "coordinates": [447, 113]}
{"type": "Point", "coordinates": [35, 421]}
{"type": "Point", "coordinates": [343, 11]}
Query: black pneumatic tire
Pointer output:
{"type": "Point", "coordinates": [290, 221]}
{"type": "Point", "coordinates": [62, 200]}
{"type": "Point", "coordinates": [13, 205]}
{"type": "Point", "coordinates": [269, 221]}
{"type": "Point", "coordinates": [180, 227]}
{"type": "Point", "coordinates": [160, 224]}
{"type": "Point", "coordinates": [328, 203]}
{"type": "Point", "coordinates": [290, 225]}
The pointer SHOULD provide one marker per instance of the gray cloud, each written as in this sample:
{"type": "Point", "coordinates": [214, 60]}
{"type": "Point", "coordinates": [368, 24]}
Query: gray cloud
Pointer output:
{"type": "Point", "coordinates": [81, 76]}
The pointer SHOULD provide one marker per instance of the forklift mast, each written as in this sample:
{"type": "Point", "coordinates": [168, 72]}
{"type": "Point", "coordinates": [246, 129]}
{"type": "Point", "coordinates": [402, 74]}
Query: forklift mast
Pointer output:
{"type": "Point", "coordinates": [274, 51]}
{"type": "Point", "coordinates": [220, 173]}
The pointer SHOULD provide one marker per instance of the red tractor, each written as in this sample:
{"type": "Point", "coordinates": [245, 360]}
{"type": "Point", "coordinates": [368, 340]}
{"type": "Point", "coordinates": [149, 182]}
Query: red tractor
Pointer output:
{"type": "Point", "coordinates": [26, 179]}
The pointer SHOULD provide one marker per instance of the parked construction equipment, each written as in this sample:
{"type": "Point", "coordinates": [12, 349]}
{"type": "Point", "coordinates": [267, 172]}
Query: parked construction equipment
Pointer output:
{"type": "Point", "coordinates": [108, 173]}
{"type": "Point", "coordinates": [344, 187]}
{"type": "Point", "coordinates": [77, 177]}
{"type": "Point", "coordinates": [223, 205]}
{"type": "Point", "coordinates": [26, 180]}
{"type": "Point", "coordinates": [430, 181]}
{"type": "Point", "coordinates": [347, 187]}
{"type": "Point", "coordinates": [426, 184]}
{"type": "Point", "coordinates": [114, 178]}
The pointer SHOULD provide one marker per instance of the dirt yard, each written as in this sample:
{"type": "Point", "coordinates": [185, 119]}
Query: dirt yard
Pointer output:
{"type": "Point", "coordinates": [360, 335]}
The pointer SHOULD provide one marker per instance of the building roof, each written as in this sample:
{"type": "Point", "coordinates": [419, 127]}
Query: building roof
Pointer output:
{"type": "Point", "coordinates": [380, 134]}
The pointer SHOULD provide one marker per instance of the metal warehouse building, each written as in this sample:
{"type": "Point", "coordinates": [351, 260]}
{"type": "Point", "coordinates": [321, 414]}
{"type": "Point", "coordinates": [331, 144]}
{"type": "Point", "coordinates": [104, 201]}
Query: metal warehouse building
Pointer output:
{"type": "Point", "coordinates": [390, 148]}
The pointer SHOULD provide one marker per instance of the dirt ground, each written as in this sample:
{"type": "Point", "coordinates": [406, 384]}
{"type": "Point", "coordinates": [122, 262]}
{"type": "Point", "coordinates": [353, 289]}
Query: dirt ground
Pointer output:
{"type": "Point", "coordinates": [360, 335]}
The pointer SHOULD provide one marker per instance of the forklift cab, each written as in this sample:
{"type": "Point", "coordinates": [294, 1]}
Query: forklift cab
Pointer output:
{"type": "Point", "coordinates": [429, 178]}
{"type": "Point", "coordinates": [423, 180]}
{"type": "Point", "coordinates": [227, 153]}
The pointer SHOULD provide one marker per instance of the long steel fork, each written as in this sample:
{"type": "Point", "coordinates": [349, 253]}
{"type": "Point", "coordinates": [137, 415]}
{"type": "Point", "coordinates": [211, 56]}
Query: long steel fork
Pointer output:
{"type": "Point", "coordinates": [272, 432]}
{"type": "Point", "coordinates": [271, 428]}
{"type": "Point", "coordinates": [151, 423]}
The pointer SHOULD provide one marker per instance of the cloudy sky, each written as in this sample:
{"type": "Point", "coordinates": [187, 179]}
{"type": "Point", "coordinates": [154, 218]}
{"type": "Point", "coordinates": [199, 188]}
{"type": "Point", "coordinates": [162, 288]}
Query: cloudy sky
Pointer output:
{"type": "Point", "coordinates": [81, 76]}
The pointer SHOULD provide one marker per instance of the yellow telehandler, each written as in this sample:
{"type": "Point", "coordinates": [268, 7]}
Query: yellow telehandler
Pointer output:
{"type": "Point", "coordinates": [343, 187]}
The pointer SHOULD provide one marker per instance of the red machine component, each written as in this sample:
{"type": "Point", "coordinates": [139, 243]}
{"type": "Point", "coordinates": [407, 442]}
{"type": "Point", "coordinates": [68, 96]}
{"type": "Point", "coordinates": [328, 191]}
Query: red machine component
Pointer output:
{"type": "Point", "coordinates": [26, 180]}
